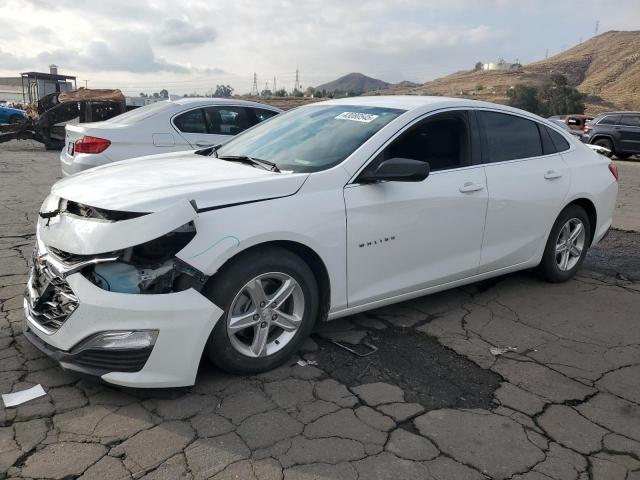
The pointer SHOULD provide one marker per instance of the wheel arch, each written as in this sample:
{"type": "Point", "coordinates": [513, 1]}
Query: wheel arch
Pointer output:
{"type": "Point", "coordinates": [306, 254]}
{"type": "Point", "coordinates": [599, 136]}
{"type": "Point", "coordinates": [592, 213]}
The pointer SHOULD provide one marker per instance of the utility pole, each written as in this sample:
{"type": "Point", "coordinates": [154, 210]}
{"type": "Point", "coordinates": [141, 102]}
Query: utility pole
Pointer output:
{"type": "Point", "coordinates": [296, 86]}
{"type": "Point", "coordinates": [266, 87]}
{"type": "Point", "coordinates": [86, 82]}
{"type": "Point", "coordinates": [274, 85]}
{"type": "Point", "coordinates": [254, 88]}
{"type": "Point", "coordinates": [597, 27]}
{"type": "Point", "coordinates": [546, 53]}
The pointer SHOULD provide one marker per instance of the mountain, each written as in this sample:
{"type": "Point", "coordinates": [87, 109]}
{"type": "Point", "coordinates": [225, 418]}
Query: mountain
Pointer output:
{"type": "Point", "coordinates": [605, 67]}
{"type": "Point", "coordinates": [356, 83]}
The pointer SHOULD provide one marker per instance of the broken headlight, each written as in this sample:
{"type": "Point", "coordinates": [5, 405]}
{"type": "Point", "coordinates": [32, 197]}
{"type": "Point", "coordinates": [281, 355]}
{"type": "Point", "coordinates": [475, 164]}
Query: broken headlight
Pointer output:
{"type": "Point", "coordinates": [150, 267]}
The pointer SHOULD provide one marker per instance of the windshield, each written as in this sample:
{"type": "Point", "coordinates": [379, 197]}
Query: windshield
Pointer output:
{"type": "Point", "coordinates": [138, 114]}
{"type": "Point", "coordinates": [310, 138]}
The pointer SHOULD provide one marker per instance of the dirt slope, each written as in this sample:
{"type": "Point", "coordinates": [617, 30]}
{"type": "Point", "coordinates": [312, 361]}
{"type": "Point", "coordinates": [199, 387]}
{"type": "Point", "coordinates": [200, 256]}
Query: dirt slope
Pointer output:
{"type": "Point", "coordinates": [606, 67]}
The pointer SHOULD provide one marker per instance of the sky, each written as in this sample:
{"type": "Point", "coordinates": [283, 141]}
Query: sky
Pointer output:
{"type": "Point", "coordinates": [193, 45]}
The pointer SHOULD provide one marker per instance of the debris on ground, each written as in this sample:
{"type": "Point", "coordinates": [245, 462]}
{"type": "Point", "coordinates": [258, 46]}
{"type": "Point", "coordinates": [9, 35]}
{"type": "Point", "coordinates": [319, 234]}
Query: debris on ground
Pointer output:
{"type": "Point", "coordinates": [23, 396]}
{"type": "Point", "coordinates": [495, 351]}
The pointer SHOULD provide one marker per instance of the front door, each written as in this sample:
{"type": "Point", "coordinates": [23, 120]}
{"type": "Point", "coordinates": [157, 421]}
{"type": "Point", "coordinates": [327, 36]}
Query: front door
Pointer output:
{"type": "Point", "coordinates": [406, 236]}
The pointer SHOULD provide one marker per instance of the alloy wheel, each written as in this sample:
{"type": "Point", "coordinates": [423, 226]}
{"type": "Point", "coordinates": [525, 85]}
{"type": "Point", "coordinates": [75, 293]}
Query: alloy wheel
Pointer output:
{"type": "Point", "coordinates": [265, 314]}
{"type": "Point", "coordinates": [570, 244]}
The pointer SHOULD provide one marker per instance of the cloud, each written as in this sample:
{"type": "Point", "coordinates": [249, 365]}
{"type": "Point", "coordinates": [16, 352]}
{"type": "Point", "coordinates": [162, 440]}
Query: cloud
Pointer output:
{"type": "Point", "coordinates": [126, 52]}
{"type": "Point", "coordinates": [179, 33]}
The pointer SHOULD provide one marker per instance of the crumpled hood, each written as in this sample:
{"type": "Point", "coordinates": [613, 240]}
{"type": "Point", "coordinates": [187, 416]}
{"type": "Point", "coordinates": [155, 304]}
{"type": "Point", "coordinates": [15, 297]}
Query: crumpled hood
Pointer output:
{"type": "Point", "coordinates": [149, 184]}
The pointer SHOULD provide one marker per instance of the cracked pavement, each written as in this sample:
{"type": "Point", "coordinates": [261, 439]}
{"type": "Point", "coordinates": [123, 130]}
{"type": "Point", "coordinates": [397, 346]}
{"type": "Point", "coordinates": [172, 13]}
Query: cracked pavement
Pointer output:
{"type": "Point", "coordinates": [432, 403]}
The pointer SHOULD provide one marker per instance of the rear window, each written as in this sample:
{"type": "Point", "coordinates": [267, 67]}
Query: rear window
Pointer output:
{"type": "Point", "coordinates": [192, 121]}
{"type": "Point", "coordinates": [509, 137]}
{"type": "Point", "coordinates": [138, 114]}
{"type": "Point", "coordinates": [630, 120]}
{"type": "Point", "coordinates": [558, 140]}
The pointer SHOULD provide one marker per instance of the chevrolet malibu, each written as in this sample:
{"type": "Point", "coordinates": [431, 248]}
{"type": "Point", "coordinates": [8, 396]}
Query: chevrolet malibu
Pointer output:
{"type": "Point", "coordinates": [143, 266]}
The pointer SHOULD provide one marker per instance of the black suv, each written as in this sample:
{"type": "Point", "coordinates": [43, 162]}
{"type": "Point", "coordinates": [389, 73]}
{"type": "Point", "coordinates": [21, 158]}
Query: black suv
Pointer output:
{"type": "Point", "coordinates": [617, 131]}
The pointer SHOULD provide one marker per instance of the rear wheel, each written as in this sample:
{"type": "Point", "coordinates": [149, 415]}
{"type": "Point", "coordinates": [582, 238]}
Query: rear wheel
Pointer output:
{"type": "Point", "coordinates": [270, 302]}
{"type": "Point", "coordinates": [567, 245]}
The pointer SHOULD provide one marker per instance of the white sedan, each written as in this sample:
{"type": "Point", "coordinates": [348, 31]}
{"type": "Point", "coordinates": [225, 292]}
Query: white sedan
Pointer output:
{"type": "Point", "coordinates": [166, 126]}
{"type": "Point", "coordinates": [322, 212]}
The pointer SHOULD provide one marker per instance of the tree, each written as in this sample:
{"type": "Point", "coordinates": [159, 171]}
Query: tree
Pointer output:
{"type": "Point", "coordinates": [297, 93]}
{"type": "Point", "coordinates": [525, 98]}
{"type": "Point", "coordinates": [554, 97]}
{"type": "Point", "coordinates": [266, 93]}
{"type": "Point", "coordinates": [310, 92]}
{"type": "Point", "coordinates": [164, 93]}
{"type": "Point", "coordinates": [280, 93]}
{"type": "Point", "coordinates": [478, 66]}
{"type": "Point", "coordinates": [559, 98]}
{"type": "Point", "coordinates": [223, 91]}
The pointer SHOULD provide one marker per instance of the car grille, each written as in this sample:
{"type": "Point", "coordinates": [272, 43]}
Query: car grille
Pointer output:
{"type": "Point", "coordinates": [49, 297]}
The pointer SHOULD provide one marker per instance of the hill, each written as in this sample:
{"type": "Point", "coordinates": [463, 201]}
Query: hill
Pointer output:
{"type": "Point", "coordinates": [356, 83]}
{"type": "Point", "coordinates": [606, 68]}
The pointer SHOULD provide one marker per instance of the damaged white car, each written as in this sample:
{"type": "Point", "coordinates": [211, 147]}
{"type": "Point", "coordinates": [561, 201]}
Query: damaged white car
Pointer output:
{"type": "Point", "coordinates": [143, 266]}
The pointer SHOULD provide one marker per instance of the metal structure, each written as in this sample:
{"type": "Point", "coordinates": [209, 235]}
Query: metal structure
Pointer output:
{"type": "Point", "coordinates": [46, 117]}
{"type": "Point", "coordinates": [36, 85]}
{"type": "Point", "coordinates": [254, 88]}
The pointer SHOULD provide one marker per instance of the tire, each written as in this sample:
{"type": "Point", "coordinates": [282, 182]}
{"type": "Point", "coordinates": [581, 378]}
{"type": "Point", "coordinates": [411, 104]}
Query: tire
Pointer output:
{"type": "Point", "coordinates": [237, 349]}
{"type": "Point", "coordinates": [605, 142]}
{"type": "Point", "coordinates": [15, 119]}
{"type": "Point", "coordinates": [554, 267]}
{"type": "Point", "coordinates": [623, 156]}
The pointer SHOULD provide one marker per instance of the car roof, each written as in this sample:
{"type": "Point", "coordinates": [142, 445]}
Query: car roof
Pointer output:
{"type": "Point", "coordinates": [623, 112]}
{"type": "Point", "coordinates": [413, 102]}
{"type": "Point", "coordinates": [194, 101]}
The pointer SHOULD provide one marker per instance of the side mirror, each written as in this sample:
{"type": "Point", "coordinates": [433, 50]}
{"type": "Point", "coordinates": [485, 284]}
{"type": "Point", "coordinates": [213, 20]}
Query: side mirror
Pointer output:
{"type": "Point", "coordinates": [398, 170]}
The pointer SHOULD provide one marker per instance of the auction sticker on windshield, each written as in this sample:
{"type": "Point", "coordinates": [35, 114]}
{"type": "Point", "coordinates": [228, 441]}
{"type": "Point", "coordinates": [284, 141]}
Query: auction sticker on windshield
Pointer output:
{"type": "Point", "coordinates": [357, 117]}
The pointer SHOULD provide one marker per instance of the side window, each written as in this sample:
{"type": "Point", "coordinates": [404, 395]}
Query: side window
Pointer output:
{"type": "Point", "coordinates": [228, 120]}
{"type": "Point", "coordinates": [609, 120]}
{"type": "Point", "coordinates": [442, 140]}
{"type": "Point", "coordinates": [262, 114]}
{"type": "Point", "coordinates": [509, 137]}
{"type": "Point", "coordinates": [191, 122]}
{"type": "Point", "coordinates": [558, 140]}
{"type": "Point", "coordinates": [630, 120]}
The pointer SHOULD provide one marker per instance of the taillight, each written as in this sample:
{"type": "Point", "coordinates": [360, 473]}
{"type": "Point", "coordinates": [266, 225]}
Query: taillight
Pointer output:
{"type": "Point", "coordinates": [613, 168]}
{"type": "Point", "coordinates": [91, 145]}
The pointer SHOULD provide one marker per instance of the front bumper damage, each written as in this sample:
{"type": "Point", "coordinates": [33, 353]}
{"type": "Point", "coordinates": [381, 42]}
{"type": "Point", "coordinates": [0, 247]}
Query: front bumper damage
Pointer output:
{"type": "Point", "coordinates": [68, 315]}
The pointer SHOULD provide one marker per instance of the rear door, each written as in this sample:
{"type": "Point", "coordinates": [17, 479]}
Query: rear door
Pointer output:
{"type": "Point", "coordinates": [629, 132]}
{"type": "Point", "coordinates": [527, 182]}
{"type": "Point", "coordinates": [224, 122]}
{"type": "Point", "coordinates": [192, 125]}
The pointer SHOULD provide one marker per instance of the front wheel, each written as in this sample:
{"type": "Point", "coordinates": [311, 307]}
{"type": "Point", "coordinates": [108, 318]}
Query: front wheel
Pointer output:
{"type": "Point", "coordinates": [567, 245]}
{"type": "Point", "coordinates": [270, 302]}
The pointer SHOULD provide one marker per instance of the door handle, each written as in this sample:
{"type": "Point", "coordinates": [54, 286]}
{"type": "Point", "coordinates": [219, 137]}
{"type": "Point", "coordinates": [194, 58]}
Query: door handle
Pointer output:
{"type": "Point", "coordinates": [551, 174]}
{"type": "Point", "coordinates": [470, 187]}
{"type": "Point", "coordinates": [204, 144]}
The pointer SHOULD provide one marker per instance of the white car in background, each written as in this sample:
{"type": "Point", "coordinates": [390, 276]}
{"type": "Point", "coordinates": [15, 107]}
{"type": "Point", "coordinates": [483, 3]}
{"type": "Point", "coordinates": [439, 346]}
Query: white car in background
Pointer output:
{"type": "Point", "coordinates": [162, 127]}
{"type": "Point", "coordinates": [322, 212]}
